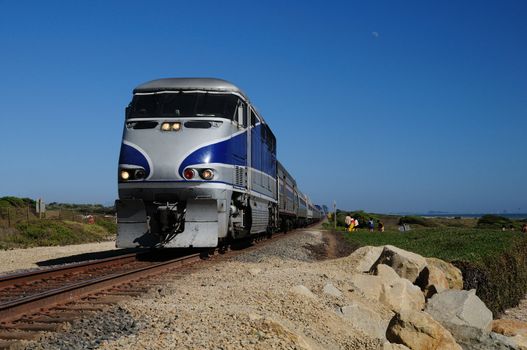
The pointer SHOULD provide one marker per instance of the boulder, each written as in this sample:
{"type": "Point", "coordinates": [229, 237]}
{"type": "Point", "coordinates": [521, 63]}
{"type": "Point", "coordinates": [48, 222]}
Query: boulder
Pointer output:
{"type": "Point", "coordinates": [402, 295]}
{"type": "Point", "coordinates": [387, 274]}
{"type": "Point", "coordinates": [302, 291]}
{"type": "Point", "coordinates": [471, 338]}
{"type": "Point", "coordinates": [369, 286]}
{"type": "Point", "coordinates": [330, 289]}
{"type": "Point", "coordinates": [452, 274]}
{"type": "Point", "coordinates": [432, 280]}
{"type": "Point", "coordinates": [418, 330]}
{"type": "Point", "coordinates": [365, 319]}
{"type": "Point", "coordinates": [364, 258]}
{"type": "Point", "coordinates": [407, 264]}
{"type": "Point", "coordinates": [509, 328]}
{"type": "Point", "coordinates": [460, 307]}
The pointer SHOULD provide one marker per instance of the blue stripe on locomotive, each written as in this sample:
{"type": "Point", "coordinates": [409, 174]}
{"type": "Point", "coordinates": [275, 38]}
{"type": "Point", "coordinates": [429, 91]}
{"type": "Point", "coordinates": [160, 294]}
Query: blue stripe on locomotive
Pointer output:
{"type": "Point", "coordinates": [131, 155]}
{"type": "Point", "coordinates": [233, 151]}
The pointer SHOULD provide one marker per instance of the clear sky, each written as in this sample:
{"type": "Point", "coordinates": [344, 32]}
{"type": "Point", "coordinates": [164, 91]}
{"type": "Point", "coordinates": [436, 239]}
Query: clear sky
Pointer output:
{"type": "Point", "coordinates": [386, 106]}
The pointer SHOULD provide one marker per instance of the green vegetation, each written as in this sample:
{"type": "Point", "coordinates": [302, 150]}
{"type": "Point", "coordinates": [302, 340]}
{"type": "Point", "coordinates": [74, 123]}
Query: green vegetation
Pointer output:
{"type": "Point", "coordinates": [15, 202]}
{"type": "Point", "coordinates": [450, 244]}
{"type": "Point", "coordinates": [51, 232]}
{"type": "Point", "coordinates": [63, 224]}
{"type": "Point", "coordinates": [82, 208]}
{"type": "Point", "coordinates": [496, 221]}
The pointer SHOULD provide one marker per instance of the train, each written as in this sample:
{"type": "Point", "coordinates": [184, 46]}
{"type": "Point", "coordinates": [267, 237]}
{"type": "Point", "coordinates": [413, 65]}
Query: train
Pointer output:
{"type": "Point", "coordinates": [198, 169]}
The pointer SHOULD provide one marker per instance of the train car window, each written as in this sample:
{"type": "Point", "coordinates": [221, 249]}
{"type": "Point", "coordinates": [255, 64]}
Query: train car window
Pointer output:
{"type": "Point", "coordinates": [216, 105]}
{"type": "Point", "coordinates": [175, 105]}
{"type": "Point", "coordinates": [183, 104]}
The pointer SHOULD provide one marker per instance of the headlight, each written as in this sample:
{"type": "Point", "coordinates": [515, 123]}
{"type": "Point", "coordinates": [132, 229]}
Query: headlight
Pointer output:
{"type": "Point", "coordinates": [207, 174]}
{"type": "Point", "coordinates": [176, 126]}
{"type": "Point", "coordinates": [125, 175]}
{"type": "Point", "coordinates": [165, 126]}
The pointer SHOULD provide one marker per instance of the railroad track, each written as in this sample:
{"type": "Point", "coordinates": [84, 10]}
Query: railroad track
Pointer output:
{"type": "Point", "coordinates": [43, 301]}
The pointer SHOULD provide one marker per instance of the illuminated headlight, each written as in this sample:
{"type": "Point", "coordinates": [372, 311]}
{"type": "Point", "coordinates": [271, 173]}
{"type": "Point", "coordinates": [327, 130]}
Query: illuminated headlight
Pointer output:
{"type": "Point", "coordinates": [166, 126]}
{"type": "Point", "coordinates": [207, 174]}
{"type": "Point", "coordinates": [176, 126]}
{"type": "Point", "coordinates": [125, 175]}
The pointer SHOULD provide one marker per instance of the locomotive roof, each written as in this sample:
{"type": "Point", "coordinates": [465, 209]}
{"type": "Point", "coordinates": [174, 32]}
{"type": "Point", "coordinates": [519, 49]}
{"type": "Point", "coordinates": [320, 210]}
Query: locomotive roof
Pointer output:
{"type": "Point", "coordinates": [207, 84]}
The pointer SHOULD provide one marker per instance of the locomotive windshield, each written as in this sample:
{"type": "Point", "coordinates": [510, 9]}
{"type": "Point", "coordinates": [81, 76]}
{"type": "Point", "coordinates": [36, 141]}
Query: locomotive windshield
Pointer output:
{"type": "Point", "coordinates": [183, 105]}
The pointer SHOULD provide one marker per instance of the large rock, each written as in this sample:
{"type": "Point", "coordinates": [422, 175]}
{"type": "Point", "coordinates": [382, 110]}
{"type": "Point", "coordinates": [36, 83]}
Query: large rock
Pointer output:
{"type": "Point", "coordinates": [387, 274]}
{"type": "Point", "coordinates": [369, 286]}
{"type": "Point", "coordinates": [364, 258]}
{"type": "Point", "coordinates": [407, 264]}
{"type": "Point", "coordinates": [365, 319]}
{"type": "Point", "coordinates": [453, 274]}
{"type": "Point", "coordinates": [509, 328]}
{"type": "Point", "coordinates": [418, 330]}
{"type": "Point", "coordinates": [432, 280]}
{"type": "Point", "coordinates": [398, 293]}
{"type": "Point", "coordinates": [471, 338]}
{"type": "Point", "coordinates": [402, 295]}
{"type": "Point", "coordinates": [460, 307]}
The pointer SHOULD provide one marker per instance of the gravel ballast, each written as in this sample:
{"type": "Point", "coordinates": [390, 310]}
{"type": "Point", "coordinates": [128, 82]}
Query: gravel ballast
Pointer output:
{"type": "Point", "coordinates": [270, 297]}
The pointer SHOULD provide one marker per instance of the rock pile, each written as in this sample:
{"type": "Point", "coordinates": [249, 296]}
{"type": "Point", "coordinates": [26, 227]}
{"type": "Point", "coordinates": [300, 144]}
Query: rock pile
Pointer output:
{"type": "Point", "coordinates": [430, 311]}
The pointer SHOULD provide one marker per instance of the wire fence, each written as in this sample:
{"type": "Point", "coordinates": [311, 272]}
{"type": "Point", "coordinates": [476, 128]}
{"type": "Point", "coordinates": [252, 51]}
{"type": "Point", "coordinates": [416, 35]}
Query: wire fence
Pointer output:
{"type": "Point", "coordinates": [10, 217]}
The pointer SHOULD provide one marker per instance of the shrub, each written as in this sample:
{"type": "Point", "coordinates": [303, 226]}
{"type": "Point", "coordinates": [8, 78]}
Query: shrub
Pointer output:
{"type": "Point", "coordinates": [500, 281]}
{"type": "Point", "coordinates": [416, 220]}
{"type": "Point", "coordinates": [493, 221]}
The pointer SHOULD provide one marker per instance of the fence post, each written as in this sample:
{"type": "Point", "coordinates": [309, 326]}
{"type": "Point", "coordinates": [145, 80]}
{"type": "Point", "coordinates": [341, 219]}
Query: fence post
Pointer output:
{"type": "Point", "coordinates": [8, 218]}
{"type": "Point", "coordinates": [27, 214]}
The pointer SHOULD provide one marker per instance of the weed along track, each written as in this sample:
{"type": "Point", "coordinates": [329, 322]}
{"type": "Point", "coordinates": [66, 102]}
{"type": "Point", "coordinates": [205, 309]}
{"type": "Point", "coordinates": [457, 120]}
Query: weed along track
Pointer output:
{"type": "Point", "coordinates": [42, 301]}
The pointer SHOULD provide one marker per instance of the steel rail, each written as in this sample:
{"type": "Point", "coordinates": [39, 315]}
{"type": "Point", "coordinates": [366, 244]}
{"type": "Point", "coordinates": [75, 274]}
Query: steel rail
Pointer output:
{"type": "Point", "coordinates": [25, 277]}
{"type": "Point", "coordinates": [15, 309]}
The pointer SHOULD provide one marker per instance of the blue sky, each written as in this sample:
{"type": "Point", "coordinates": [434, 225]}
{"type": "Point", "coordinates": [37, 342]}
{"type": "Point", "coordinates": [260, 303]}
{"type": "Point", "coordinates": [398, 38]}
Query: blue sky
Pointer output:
{"type": "Point", "coordinates": [386, 106]}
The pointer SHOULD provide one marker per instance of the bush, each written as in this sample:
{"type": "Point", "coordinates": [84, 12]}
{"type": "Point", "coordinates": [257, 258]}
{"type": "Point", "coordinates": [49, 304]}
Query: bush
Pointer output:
{"type": "Point", "coordinates": [500, 281]}
{"type": "Point", "coordinates": [109, 226]}
{"type": "Point", "coordinates": [494, 221]}
{"type": "Point", "coordinates": [416, 220]}
{"type": "Point", "coordinates": [16, 202]}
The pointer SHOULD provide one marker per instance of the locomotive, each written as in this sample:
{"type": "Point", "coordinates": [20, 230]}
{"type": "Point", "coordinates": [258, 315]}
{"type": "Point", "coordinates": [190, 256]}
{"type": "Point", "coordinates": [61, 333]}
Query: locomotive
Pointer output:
{"type": "Point", "coordinates": [198, 168]}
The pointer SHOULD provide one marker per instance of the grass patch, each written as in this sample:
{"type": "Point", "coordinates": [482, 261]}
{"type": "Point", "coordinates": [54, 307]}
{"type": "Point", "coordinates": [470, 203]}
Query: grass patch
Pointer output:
{"type": "Point", "coordinates": [492, 261]}
{"type": "Point", "coordinates": [51, 233]}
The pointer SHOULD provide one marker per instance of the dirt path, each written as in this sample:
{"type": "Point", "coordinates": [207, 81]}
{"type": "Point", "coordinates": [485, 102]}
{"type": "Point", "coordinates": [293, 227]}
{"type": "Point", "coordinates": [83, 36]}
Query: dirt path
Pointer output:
{"type": "Point", "coordinates": [334, 246]}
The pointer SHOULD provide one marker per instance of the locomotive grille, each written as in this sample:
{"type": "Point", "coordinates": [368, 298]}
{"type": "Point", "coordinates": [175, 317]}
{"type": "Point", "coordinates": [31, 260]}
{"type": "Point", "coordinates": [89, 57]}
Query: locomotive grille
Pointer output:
{"type": "Point", "coordinates": [239, 176]}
